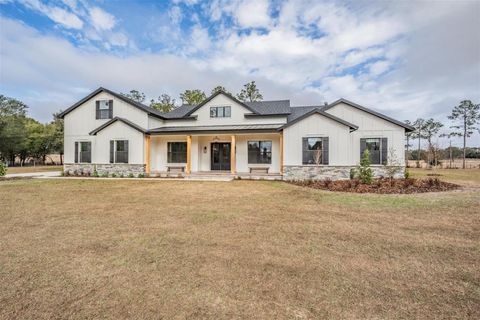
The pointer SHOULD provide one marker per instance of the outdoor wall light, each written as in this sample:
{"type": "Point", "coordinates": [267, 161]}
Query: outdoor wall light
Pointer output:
{"type": "Point", "coordinates": [204, 149]}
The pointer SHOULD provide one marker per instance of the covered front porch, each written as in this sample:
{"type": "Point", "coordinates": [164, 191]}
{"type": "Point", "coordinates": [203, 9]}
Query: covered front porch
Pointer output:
{"type": "Point", "coordinates": [249, 155]}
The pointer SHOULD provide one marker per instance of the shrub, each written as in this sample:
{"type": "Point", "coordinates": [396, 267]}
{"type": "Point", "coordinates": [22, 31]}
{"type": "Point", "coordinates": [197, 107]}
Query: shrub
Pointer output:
{"type": "Point", "coordinates": [105, 174]}
{"type": "Point", "coordinates": [95, 174]}
{"type": "Point", "coordinates": [130, 175]}
{"type": "Point", "coordinates": [353, 172]}
{"type": "Point", "coordinates": [62, 173]}
{"type": "Point", "coordinates": [121, 175]}
{"type": "Point", "coordinates": [406, 174]}
{"type": "Point", "coordinates": [3, 169]}
{"type": "Point", "coordinates": [114, 175]}
{"type": "Point", "coordinates": [66, 173]}
{"type": "Point", "coordinates": [365, 173]}
{"type": "Point", "coordinates": [393, 166]}
{"type": "Point", "coordinates": [141, 175]}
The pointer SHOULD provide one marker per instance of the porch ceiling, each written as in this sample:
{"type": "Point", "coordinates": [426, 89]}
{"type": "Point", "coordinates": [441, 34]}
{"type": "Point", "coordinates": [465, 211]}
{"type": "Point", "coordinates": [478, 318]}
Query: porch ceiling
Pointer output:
{"type": "Point", "coordinates": [216, 129]}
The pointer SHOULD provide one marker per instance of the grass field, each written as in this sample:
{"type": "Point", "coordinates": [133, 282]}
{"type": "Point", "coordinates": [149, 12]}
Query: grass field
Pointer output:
{"type": "Point", "coordinates": [469, 177]}
{"type": "Point", "coordinates": [268, 250]}
{"type": "Point", "coordinates": [30, 169]}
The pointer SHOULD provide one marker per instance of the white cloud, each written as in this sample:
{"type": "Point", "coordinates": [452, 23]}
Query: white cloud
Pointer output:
{"type": "Point", "coordinates": [101, 20]}
{"type": "Point", "coordinates": [379, 67]}
{"type": "Point", "coordinates": [252, 13]}
{"type": "Point", "coordinates": [56, 14]}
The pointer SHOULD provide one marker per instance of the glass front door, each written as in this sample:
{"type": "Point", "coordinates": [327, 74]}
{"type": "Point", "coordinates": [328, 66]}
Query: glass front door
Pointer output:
{"type": "Point", "coordinates": [221, 156]}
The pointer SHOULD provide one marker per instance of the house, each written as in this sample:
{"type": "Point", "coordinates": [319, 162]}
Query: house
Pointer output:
{"type": "Point", "coordinates": [108, 132]}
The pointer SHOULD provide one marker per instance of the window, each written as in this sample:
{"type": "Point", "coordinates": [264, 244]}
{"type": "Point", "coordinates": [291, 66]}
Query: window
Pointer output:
{"type": "Point", "coordinates": [315, 150]}
{"type": "Point", "coordinates": [83, 152]}
{"type": "Point", "coordinates": [259, 151]}
{"type": "Point", "coordinates": [177, 152]}
{"type": "Point", "coordinates": [377, 148]}
{"type": "Point", "coordinates": [118, 151]}
{"type": "Point", "coordinates": [220, 112]}
{"type": "Point", "coordinates": [104, 109]}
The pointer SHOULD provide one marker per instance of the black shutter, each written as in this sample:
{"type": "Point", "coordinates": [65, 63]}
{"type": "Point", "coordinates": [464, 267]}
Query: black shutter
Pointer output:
{"type": "Point", "coordinates": [384, 150]}
{"type": "Point", "coordinates": [97, 109]}
{"type": "Point", "coordinates": [304, 151]}
{"type": "Point", "coordinates": [325, 150]}
{"type": "Point", "coordinates": [363, 146]}
{"type": "Point", "coordinates": [110, 109]}
{"type": "Point", "coordinates": [126, 151]}
{"type": "Point", "coordinates": [76, 152]}
{"type": "Point", "coordinates": [89, 152]}
{"type": "Point", "coordinates": [111, 151]}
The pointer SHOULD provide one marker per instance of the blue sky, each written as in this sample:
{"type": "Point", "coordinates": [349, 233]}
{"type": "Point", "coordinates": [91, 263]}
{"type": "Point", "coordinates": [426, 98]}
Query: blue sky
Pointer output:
{"type": "Point", "coordinates": [407, 59]}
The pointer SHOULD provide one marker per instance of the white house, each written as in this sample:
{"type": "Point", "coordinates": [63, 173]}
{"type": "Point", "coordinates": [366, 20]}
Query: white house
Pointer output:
{"type": "Point", "coordinates": [108, 132]}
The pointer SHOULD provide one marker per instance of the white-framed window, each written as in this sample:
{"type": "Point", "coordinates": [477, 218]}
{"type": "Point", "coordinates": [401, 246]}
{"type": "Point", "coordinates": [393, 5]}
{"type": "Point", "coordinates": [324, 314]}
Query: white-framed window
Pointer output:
{"type": "Point", "coordinates": [220, 112]}
{"type": "Point", "coordinates": [118, 151]}
{"type": "Point", "coordinates": [83, 152]}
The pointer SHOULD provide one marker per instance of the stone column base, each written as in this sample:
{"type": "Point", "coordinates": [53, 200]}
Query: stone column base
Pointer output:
{"type": "Point", "coordinates": [311, 172]}
{"type": "Point", "coordinates": [102, 169]}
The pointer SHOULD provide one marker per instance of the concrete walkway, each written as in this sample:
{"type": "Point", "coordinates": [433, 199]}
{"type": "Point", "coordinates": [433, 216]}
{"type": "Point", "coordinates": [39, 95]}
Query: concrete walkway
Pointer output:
{"type": "Point", "coordinates": [34, 174]}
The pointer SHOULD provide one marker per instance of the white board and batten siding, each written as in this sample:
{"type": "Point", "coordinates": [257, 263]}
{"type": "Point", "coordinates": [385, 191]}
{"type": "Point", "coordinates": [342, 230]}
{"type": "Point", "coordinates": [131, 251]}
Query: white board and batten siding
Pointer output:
{"type": "Point", "coordinates": [317, 125]}
{"type": "Point", "coordinates": [370, 126]}
{"type": "Point", "coordinates": [81, 121]}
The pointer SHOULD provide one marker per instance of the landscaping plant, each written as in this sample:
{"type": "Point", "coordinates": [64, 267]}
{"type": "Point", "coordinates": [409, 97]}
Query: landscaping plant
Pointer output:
{"type": "Point", "coordinates": [3, 169]}
{"type": "Point", "coordinates": [365, 173]}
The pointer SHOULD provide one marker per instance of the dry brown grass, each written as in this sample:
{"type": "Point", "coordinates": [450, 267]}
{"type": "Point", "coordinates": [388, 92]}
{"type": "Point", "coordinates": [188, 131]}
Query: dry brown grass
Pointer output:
{"type": "Point", "coordinates": [467, 177]}
{"type": "Point", "coordinates": [174, 249]}
{"type": "Point", "coordinates": [30, 169]}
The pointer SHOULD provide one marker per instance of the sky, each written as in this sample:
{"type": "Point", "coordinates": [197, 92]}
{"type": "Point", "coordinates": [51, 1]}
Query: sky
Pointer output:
{"type": "Point", "coordinates": [404, 58]}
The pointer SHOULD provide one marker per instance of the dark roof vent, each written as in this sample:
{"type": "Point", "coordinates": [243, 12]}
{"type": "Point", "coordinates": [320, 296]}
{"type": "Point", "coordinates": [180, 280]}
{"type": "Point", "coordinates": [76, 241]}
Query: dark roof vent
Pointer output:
{"type": "Point", "coordinates": [325, 103]}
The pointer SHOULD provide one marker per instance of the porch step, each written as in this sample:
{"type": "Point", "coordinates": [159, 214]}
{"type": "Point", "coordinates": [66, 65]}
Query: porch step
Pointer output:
{"type": "Point", "coordinates": [202, 177]}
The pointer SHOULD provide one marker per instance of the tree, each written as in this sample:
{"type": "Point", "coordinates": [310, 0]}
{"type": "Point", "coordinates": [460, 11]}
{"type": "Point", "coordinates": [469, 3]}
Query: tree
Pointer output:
{"type": "Point", "coordinates": [408, 136]}
{"type": "Point", "coordinates": [55, 129]}
{"type": "Point", "coordinates": [193, 97]}
{"type": "Point", "coordinates": [430, 130]}
{"type": "Point", "coordinates": [394, 165]}
{"type": "Point", "coordinates": [135, 95]}
{"type": "Point", "coordinates": [220, 88]}
{"type": "Point", "coordinates": [12, 127]}
{"type": "Point", "coordinates": [419, 134]}
{"type": "Point", "coordinates": [165, 103]}
{"type": "Point", "coordinates": [365, 173]}
{"type": "Point", "coordinates": [250, 93]}
{"type": "Point", "coordinates": [467, 115]}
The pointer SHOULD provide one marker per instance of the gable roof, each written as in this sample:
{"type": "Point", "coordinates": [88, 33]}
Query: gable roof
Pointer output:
{"type": "Point", "coordinates": [127, 122]}
{"type": "Point", "coordinates": [362, 108]}
{"type": "Point", "coordinates": [204, 102]}
{"type": "Point", "coordinates": [133, 103]}
{"type": "Point", "coordinates": [320, 112]}
{"type": "Point", "coordinates": [272, 107]}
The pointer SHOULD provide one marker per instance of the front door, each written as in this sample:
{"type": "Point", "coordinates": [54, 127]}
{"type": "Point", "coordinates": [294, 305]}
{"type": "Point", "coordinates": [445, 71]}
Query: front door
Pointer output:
{"type": "Point", "coordinates": [221, 156]}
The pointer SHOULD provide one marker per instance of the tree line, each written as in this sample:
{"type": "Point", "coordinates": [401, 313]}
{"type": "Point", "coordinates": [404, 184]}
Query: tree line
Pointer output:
{"type": "Point", "coordinates": [165, 103]}
{"type": "Point", "coordinates": [465, 118]}
{"type": "Point", "coordinates": [22, 137]}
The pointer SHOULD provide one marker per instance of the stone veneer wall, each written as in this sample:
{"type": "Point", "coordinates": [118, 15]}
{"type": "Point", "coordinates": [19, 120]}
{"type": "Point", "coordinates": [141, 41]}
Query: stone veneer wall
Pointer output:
{"type": "Point", "coordinates": [117, 168]}
{"type": "Point", "coordinates": [310, 172]}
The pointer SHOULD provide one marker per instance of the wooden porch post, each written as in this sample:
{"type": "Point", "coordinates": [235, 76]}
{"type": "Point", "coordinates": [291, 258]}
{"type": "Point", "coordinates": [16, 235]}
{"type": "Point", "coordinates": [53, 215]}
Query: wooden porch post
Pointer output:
{"type": "Point", "coordinates": [232, 157]}
{"type": "Point", "coordinates": [189, 154]}
{"type": "Point", "coordinates": [147, 154]}
{"type": "Point", "coordinates": [281, 153]}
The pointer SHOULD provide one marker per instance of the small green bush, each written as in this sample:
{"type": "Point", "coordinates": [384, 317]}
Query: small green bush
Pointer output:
{"type": "Point", "coordinates": [121, 175]}
{"type": "Point", "coordinates": [141, 175]}
{"type": "Point", "coordinates": [114, 175]}
{"type": "Point", "coordinates": [353, 172]}
{"type": "Point", "coordinates": [105, 174]}
{"type": "Point", "coordinates": [365, 173]}
{"type": "Point", "coordinates": [130, 175]}
{"type": "Point", "coordinates": [407, 174]}
{"type": "Point", "coordinates": [95, 174]}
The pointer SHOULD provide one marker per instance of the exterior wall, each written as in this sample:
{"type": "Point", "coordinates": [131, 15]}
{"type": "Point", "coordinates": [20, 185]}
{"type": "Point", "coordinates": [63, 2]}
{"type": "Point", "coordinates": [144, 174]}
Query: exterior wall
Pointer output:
{"type": "Point", "coordinates": [81, 121]}
{"type": "Point", "coordinates": [293, 173]}
{"type": "Point", "coordinates": [201, 151]}
{"type": "Point", "coordinates": [317, 126]}
{"type": "Point", "coordinates": [370, 126]}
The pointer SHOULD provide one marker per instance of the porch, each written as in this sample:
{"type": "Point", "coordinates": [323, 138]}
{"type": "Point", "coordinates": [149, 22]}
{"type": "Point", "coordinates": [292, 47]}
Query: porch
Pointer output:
{"type": "Point", "coordinates": [241, 155]}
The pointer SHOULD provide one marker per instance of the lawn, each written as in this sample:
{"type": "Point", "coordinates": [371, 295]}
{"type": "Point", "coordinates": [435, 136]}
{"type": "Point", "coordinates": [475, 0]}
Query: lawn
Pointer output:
{"type": "Point", "coordinates": [466, 177]}
{"type": "Point", "coordinates": [30, 169]}
{"type": "Point", "coordinates": [242, 249]}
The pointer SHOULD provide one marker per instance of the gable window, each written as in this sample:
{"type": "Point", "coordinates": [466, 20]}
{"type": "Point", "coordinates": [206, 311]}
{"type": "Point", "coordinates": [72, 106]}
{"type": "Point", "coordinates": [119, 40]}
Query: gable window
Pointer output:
{"type": "Point", "coordinates": [83, 152]}
{"type": "Point", "coordinates": [220, 112]}
{"type": "Point", "coordinates": [104, 109]}
{"type": "Point", "coordinates": [377, 148]}
{"type": "Point", "coordinates": [315, 150]}
{"type": "Point", "coordinates": [177, 152]}
{"type": "Point", "coordinates": [118, 151]}
{"type": "Point", "coordinates": [259, 151]}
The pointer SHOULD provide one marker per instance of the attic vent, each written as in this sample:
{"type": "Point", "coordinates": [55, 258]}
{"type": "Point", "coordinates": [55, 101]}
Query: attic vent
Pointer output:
{"type": "Point", "coordinates": [325, 103]}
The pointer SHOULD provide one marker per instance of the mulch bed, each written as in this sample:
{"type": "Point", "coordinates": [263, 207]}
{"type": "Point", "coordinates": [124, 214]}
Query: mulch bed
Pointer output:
{"type": "Point", "coordinates": [382, 186]}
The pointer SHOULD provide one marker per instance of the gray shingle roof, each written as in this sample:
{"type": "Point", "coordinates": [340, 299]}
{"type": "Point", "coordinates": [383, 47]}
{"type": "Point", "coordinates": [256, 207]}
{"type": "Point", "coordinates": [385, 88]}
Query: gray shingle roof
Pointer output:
{"type": "Point", "coordinates": [178, 112]}
{"type": "Point", "coordinates": [270, 107]}
{"type": "Point", "coordinates": [299, 111]}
